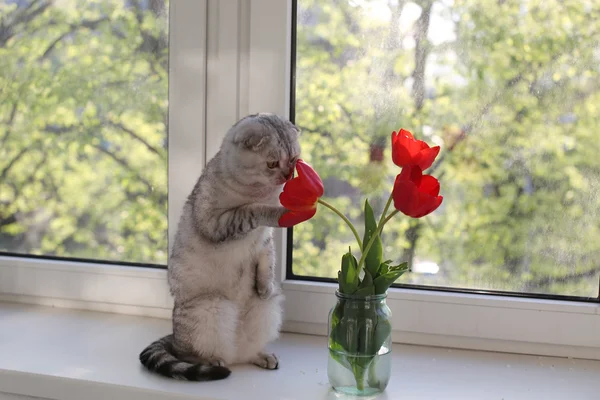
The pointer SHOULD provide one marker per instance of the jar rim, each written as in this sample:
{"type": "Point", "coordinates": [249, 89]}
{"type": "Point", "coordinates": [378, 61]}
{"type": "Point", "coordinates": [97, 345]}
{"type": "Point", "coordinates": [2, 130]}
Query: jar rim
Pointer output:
{"type": "Point", "coordinates": [375, 297]}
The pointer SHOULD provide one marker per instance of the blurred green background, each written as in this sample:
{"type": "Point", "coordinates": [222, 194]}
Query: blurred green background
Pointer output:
{"type": "Point", "coordinates": [83, 128]}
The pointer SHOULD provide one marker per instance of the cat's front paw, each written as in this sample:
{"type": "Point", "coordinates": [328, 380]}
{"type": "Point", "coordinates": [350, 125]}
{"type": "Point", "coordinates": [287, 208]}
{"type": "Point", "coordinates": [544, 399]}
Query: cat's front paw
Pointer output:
{"type": "Point", "coordinates": [265, 290]}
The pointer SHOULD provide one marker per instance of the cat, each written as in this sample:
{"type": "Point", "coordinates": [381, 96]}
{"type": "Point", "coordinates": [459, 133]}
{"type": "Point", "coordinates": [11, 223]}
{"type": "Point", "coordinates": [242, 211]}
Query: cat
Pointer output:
{"type": "Point", "coordinates": [227, 304]}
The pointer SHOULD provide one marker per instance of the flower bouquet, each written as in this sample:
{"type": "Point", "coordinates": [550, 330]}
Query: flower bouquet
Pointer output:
{"type": "Point", "coordinates": [359, 324]}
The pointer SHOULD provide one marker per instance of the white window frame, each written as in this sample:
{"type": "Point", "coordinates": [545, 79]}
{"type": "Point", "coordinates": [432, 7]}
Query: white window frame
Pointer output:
{"type": "Point", "coordinates": [229, 59]}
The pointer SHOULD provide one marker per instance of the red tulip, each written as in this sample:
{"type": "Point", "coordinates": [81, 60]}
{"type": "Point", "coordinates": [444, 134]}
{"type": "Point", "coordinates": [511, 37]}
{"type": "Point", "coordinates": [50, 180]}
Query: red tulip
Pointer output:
{"type": "Point", "coordinates": [415, 194]}
{"type": "Point", "coordinates": [406, 150]}
{"type": "Point", "coordinates": [300, 195]}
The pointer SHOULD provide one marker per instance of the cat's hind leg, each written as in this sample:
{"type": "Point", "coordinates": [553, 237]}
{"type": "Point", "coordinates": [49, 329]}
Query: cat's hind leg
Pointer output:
{"type": "Point", "coordinates": [206, 328]}
{"type": "Point", "coordinates": [259, 324]}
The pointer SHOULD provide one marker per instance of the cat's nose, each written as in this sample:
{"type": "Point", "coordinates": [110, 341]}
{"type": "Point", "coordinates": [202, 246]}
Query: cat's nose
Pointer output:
{"type": "Point", "coordinates": [287, 173]}
{"type": "Point", "coordinates": [292, 165]}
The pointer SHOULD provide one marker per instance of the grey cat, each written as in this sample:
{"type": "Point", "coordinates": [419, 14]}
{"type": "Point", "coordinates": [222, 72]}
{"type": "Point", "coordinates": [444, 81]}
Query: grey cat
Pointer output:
{"type": "Point", "coordinates": [221, 273]}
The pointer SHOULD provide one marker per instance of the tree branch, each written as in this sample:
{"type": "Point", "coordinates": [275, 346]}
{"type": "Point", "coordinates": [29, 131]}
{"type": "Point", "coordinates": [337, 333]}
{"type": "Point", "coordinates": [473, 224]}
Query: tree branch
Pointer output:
{"type": "Point", "coordinates": [64, 129]}
{"type": "Point", "coordinates": [90, 24]}
{"type": "Point", "coordinates": [9, 124]}
{"type": "Point", "coordinates": [125, 165]}
{"type": "Point", "coordinates": [11, 219]}
{"type": "Point", "coordinates": [136, 137]}
{"type": "Point", "coordinates": [22, 16]}
{"type": "Point", "coordinates": [421, 54]}
{"type": "Point", "coordinates": [151, 44]}
{"type": "Point", "coordinates": [12, 162]}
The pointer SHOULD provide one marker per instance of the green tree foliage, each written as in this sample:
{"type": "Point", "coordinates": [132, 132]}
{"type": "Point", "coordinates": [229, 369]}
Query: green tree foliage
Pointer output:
{"type": "Point", "coordinates": [509, 89]}
{"type": "Point", "coordinates": [83, 128]}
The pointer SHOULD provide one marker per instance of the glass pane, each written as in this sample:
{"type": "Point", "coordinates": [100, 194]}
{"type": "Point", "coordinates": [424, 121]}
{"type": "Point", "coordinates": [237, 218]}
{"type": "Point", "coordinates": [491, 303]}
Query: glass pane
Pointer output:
{"type": "Point", "coordinates": [83, 129]}
{"type": "Point", "coordinates": [508, 88]}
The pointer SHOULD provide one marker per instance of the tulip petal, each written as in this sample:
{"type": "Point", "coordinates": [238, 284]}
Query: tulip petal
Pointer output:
{"type": "Point", "coordinates": [427, 156]}
{"type": "Point", "coordinates": [295, 197]}
{"type": "Point", "coordinates": [400, 155]}
{"type": "Point", "coordinates": [404, 147]}
{"type": "Point", "coordinates": [422, 145]}
{"type": "Point", "coordinates": [407, 150]}
{"type": "Point", "coordinates": [404, 132]}
{"type": "Point", "coordinates": [429, 205]}
{"type": "Point", "coordinates": [405, 195]}
{"type": "Point", "coordinates": [415, 194]}
{"type": "Point", "coordinates": [414, 147]}
{"type": "Point", "coordinates": [292, 218]}
{"type": "Point", "coordinates": [429, 185]}
{"type": "Point", "coordinates": [411, 173]}
{"type": "Point", "coordinates": [297, 204]}
{"type": "Point", "coordinates": [309, 177]}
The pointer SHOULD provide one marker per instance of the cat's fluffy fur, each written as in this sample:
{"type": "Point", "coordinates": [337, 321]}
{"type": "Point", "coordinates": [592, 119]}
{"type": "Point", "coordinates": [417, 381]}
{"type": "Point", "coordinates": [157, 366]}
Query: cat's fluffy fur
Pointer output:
{"type": "Point", "coordinates": [221, 269]}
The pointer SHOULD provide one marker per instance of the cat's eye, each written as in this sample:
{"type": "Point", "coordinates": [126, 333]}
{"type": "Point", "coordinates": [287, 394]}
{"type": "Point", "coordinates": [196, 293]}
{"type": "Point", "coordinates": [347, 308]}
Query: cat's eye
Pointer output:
{"type": "Point", "coordinates": [272, 164]}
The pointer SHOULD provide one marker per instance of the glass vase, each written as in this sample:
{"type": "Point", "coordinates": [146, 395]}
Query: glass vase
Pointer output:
{"type": "Point", "coordinates": [360, 348]}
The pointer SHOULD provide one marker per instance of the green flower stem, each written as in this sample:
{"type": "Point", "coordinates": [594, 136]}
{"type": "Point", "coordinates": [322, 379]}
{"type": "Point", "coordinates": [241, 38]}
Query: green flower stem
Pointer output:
{"type": "Point", "coordinates": [379, 229]}
{"type": "Point", "coordinates": [346, 220]}
{"type": "Point", "coordinates": [385, 210]}
{"type": "Point", "coordinates": [389, 217]}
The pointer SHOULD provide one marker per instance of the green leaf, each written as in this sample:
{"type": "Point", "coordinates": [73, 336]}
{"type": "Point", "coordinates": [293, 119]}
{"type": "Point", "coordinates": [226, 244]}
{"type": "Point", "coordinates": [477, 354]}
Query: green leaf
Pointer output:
{"type": "Point", "coordinates": [367, 280]}
{"type": "Point", "coordinates": [338, 335]}
{"type": "Point", "coordinates": [400, 267]}
{"type": "Point", "coordinates": [383, 282]}
{"type": "Point", "coordinates": [383, 268]}
{"type": "Point", "coordinates": [382, 332]}
{"type": "Point", "coordinates": [366, 287]}
{"type": "Point", "coordinates": [348, 276]}
{"type": "Point", "coordinates": [375, 254]}
{"type": "Point", "coordinates": [340, 356]}
{"type": "Point", "coordinates": [365, 291]}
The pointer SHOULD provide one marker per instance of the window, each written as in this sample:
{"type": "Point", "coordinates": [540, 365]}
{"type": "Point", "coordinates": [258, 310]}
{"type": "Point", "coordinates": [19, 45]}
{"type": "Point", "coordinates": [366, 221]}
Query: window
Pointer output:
{"type": "Point", "coordinates": [83, 129]}
{"type": "Point", "coordinates": [103, 89]}
{"type": "Point", "coordinates": [227, 59]}
{"type": "Point", "coordinates": [508, 89]}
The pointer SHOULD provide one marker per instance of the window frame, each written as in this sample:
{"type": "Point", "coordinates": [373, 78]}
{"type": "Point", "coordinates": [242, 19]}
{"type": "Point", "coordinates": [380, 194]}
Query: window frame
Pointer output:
{"type": "Point", "coordinates": [230, 59]}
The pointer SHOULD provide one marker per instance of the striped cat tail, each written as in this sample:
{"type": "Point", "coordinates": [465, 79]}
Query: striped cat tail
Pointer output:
{"type": "Point", "coordinates": [158, 357]}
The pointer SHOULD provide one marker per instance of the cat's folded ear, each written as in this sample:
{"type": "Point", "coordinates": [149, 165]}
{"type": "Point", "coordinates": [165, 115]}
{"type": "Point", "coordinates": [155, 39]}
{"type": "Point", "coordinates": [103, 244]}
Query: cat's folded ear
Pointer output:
{"type": "Point", "coordinates": [249, 134]}
{"type": "Point", "coordinates": [251, 139]}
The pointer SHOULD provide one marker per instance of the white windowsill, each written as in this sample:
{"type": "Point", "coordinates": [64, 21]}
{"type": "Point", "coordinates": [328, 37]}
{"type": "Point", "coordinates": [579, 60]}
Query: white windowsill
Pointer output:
{"type": "Point", "coordinates": [457, 320]}
{"type": "Point", "coordinates": [67, 354]}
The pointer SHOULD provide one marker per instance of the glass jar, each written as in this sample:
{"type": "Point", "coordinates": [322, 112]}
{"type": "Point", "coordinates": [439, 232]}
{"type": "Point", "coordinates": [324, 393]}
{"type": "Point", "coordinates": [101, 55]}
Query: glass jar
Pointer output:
{"type": "Point", "coordinates": [359, 344]}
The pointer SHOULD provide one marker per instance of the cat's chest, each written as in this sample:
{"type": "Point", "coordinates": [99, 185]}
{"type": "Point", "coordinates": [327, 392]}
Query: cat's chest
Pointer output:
{"type": "Point", "coordinates": [246, 249]}
{"type": "Point", "coordinates": [241, 259]}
